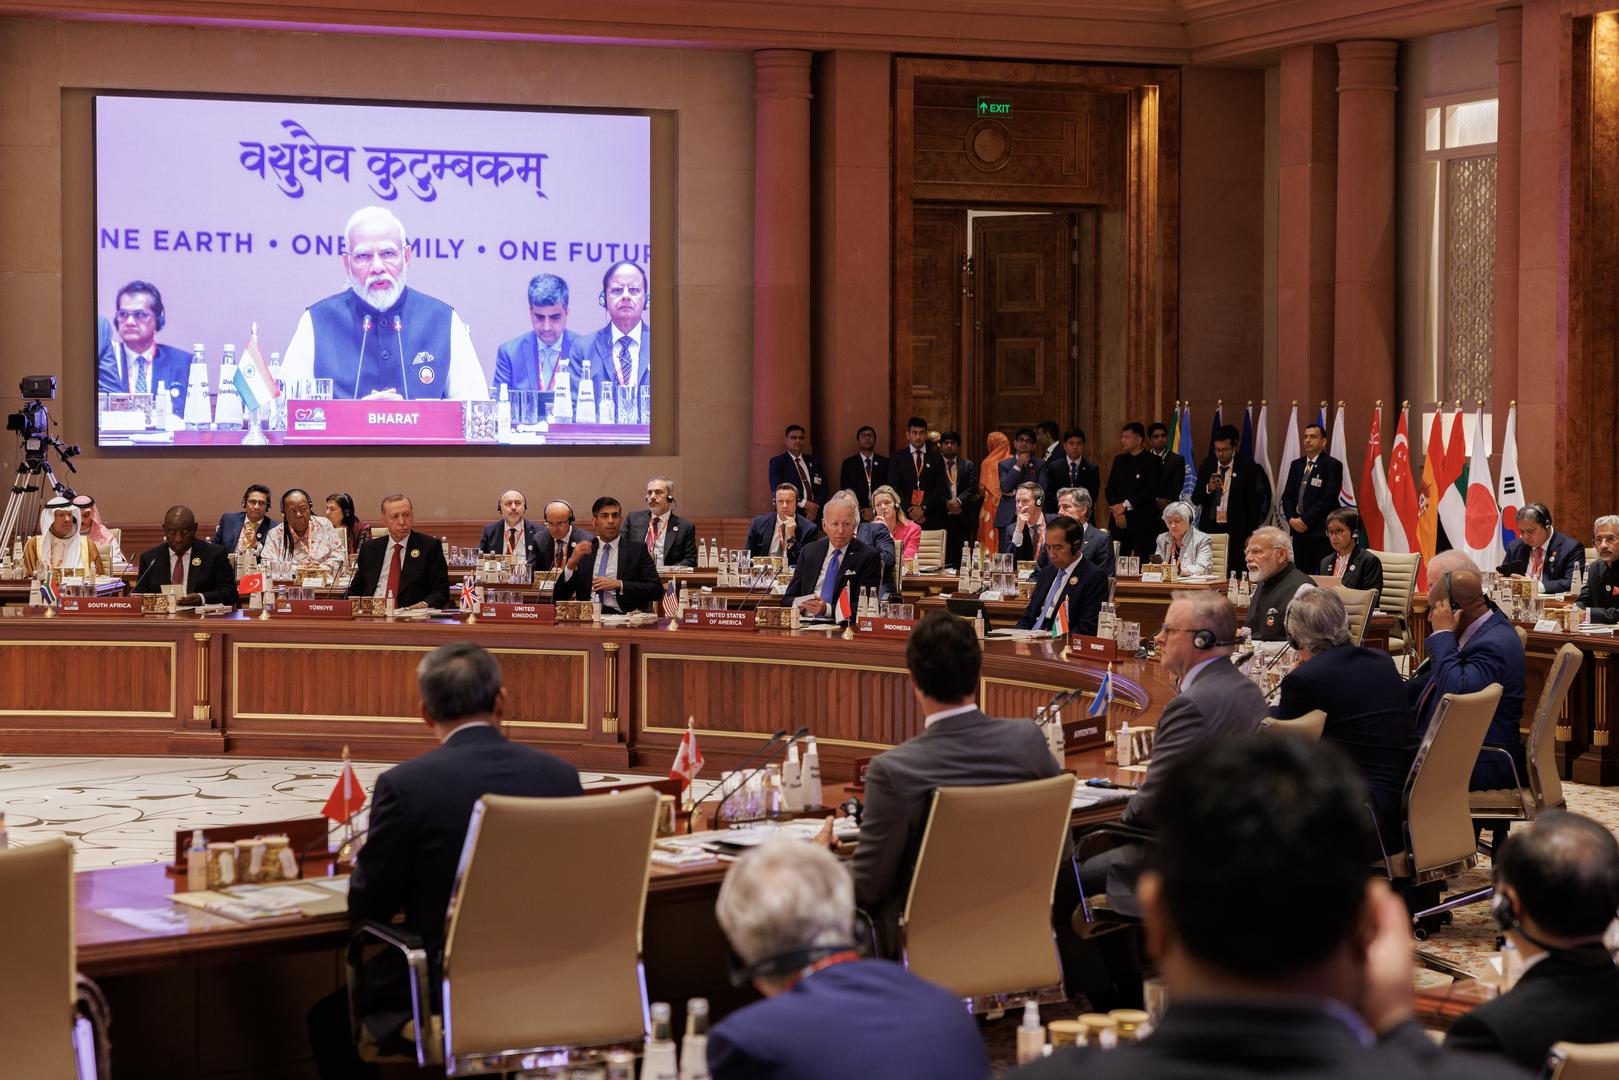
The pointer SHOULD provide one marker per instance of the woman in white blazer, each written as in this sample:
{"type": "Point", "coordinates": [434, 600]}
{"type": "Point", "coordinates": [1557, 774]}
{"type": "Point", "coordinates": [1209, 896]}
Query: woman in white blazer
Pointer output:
{"type": "Point", "coordinates": [1190, 549]}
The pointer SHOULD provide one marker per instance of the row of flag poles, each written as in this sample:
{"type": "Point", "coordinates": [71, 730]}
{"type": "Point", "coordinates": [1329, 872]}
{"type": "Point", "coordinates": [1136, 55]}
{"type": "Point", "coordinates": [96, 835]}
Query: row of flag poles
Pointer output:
{"type": "Point", "coordinates": [1453, 504]}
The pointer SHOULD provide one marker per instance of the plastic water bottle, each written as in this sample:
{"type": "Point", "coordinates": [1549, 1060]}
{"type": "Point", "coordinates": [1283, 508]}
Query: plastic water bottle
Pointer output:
{"type": "Point", "coordinates": [1031, 1035]}
{"type": "Point", "coordinates": [197, 863]}
{"type": "Point", "coordinates": [658, 1059]}
{"type": "Point", "coordinates": [503, 415]}
{"type": "Point", "coordinates": [812, 775]}
{"type": "Point", "coordinates": [694, 1047]}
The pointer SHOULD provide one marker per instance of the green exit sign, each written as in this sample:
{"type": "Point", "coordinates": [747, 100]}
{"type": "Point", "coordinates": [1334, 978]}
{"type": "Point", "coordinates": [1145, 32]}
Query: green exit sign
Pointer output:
{"type": "Point", "coordinates": [991, 107]}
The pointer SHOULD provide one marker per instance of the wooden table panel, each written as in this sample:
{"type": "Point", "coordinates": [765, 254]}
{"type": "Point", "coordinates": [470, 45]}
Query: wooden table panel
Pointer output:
{"type": "Point", "coordinates": [77, 674]}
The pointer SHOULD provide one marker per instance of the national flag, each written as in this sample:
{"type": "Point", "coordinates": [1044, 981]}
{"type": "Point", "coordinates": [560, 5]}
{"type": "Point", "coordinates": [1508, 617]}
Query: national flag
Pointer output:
{"type": "Point", "coordinates": [1428, 496]}
{"type": "Point", "coordinates": [253, 380]}
{"type": "Point", "coordinates": [1371, 482]}
{"type": "Point", "coordinates": [1219, 419]}
{"type": "Point", "coordinates": [1453, 485]}
{"type": "Point", "coordinates": [468, 596]}
{"type": "Point", "coordinates": [1246, 447]}
{"type": "Point", "coordinates": [671, 600]}
{"type": "Point", "coordinates": [1481, 535]}
{"type": "Point", "coordinates": [1510, 492]}
{"type": "Point", "coordinates": [47, 591]}
{"type": "Point", "coordinates": [1059, 622]}
{"type": "Point", "coordinates": [1340, 451]}
{"type": "Point", "coordinates": [688, 759]}
{"type": "Point", "coordinates": [845, 604]}
{"type": "Point", "coordinates": [1400, 517]}
{"type": "Point", "coordinates": [1290, 454]}
{"type": "Point", "coordinates": [1104, 695]}
{"type": "Point", "coordinates": [251, 583]}
{"type": "Point", "coordinates": [1261, 454]}
{"type": "Point", "coordinates": [347, 796]}
{"type": "Point", "coordinates": [1321, 417]}
{"type": "Point", "coordinates": [1183, 447]}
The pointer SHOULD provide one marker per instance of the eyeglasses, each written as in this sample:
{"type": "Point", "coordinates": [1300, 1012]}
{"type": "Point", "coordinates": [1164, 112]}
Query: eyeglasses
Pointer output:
{"type": "Point", "coordinates": [133, 316]}
{"type": "Point", "coordinates": [1166, 630]}
{"type": "Point", "coordinates": [366, 258]}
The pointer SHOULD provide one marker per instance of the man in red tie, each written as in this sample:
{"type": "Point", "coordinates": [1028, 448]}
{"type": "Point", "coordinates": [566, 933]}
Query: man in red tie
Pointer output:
{"type": "Point", "coordinates": [670, 539]}
{"type": "Point", "coordinates": [783, 532]}
{"type": "Point", "coordinates": [801, 470]}
{"type": "Point", "coordinates": [916, 471]}
{"type": "Point", "coordinates": [405, 564]}
{"type": "Point", "coordinates": [201, 570]}
{"type": "Point", "coordinates": [1541, 552]}
{"type": "Point", "coordinates": [513, 534]}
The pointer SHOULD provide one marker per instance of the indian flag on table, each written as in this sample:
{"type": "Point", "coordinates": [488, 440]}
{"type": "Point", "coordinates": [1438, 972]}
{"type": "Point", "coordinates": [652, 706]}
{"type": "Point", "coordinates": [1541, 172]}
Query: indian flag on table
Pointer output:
{"type": "Point", "coordinates": [1059, 620]}
{"type": "Point", "coordinates": [1104, 696]}
{"type": "Point", "coordinates": [253, 380]}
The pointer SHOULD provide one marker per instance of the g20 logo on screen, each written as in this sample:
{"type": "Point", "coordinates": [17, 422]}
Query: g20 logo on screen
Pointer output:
{"type": "Point", "coordinates": [309, 418]}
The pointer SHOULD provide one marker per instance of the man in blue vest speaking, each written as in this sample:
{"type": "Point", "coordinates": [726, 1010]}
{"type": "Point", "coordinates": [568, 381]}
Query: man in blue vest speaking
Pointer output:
{"type": "Point", "coordinates": [380, 339]}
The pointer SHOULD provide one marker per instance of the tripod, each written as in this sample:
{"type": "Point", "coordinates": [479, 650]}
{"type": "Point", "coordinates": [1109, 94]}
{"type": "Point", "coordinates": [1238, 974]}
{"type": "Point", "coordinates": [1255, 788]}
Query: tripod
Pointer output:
{"type": "Point", "coordinates": [27, 496]}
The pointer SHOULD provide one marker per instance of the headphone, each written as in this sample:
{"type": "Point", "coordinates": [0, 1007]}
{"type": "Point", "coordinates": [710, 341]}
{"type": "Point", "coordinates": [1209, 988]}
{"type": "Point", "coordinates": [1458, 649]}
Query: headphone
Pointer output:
{"type": "Point", "coordinates": [564, 502]}
{"type": "Point", "coordinates": [1205, 640]}
{"type": "Point", "coordinates": [646, 286]}
{"type": "Point", "coordinates": [252, 489]}
{"type": "Point", "coordinates": [1538, 513]}
{"type": "Point", "coordinates": [310, 499]}
{"type": "Point", "coordinates": [781, 964]}
{"type": "Point", "coordinates": [150, 290]}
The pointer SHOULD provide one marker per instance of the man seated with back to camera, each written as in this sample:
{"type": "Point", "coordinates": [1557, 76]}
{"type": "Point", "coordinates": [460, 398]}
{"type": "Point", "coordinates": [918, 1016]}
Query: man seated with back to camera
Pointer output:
{"type": "Point", "coordinates": [618, 574]}
{"type": "Point", "coordinates": [1363, 695]}
{"type": "Point", "coordinates": [1556, 892]}
{"type": "Point", "coordinates": [412, 850]}
{"type": "Point", "coordinates": [787, 909]}
{"type": "Point", "coordinates": [1282, 955]}
{"type": "Point", "coordinates": [404, 564]}
{"type": "Point", "coordinates": [1066, 579]}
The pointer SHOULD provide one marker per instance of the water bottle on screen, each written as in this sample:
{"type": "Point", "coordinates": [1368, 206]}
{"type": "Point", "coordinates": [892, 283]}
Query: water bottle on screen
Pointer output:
{"type": "Point", "coordinates": [228, 408]}
{"type": "Point", "coordinates": [199, 402]}
{"type": "Point", "coordinates": [620, 1065]}
{"type": "Point", "coordinates": [163, 410]}
{"type": "Point", "coordinates": [503, 414]}
{"type": "Point", "coordinates": [605, 413]}
{"type": "Point", "coordinates": [562, 396]}
{"type": "Point", "coordinates": [658, 1059]}
{"type": "Point", "coordinates": [585, 408]}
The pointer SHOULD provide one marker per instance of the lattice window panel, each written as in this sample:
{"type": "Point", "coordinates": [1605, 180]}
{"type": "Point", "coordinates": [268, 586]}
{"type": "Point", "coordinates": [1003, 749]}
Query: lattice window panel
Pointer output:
{"type": "Point", "coordinates": [1469, 277]}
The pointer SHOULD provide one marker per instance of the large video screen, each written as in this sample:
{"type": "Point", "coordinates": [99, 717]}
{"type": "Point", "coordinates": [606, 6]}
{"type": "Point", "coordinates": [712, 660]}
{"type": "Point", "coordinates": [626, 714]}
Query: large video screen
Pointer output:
{"type": "Point", "coordinates": [290, 273]}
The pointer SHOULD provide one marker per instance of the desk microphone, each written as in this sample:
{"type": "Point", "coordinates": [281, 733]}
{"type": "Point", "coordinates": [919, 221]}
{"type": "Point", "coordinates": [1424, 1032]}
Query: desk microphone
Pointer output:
{"type": "Point", "coordinates": [781, 733]}
{"type": "Point", "coordinates": [760, 577]}
{"type": "Point", "coordinates": [324, 840]}
{"type": "Point", "coordinates": [359, 366]}
{"type": "Point", "coordinates": [763, 764]}
{"type": "Point", "coordinates": [140, 577]}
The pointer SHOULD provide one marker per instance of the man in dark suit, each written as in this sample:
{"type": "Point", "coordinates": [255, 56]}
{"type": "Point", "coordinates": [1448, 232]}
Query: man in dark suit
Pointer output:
{"type": "Point", "coordinates": [255, 511]}
{"type": "Point", "coordinates": [784, 531]}
{"type": "Point", "coordinates": [801, 470]}
{"type": "Point", "coordinates": [1025, 537]}
{"type": "Point", "coordinates": [1471, 645]}
{"type": "Point", "coordinates": [1172, 467]}
{"type": "Point", "coordinates": [874, 534]}
{"type": "Point", "coordinates": [1070, 469]}
{"type": "Point", "coordinates": [1276, 580]}
{"type": "Point", "coordinates": [787, 908]}
{"type": "Point", "coordinates": [1023, 467]}
{"type": "Point", "coordinates": [1215, 702]}
{"type": "Point", "coordinates": [135, 363]}
{"type": "Point", "coordinates": [1066, 580]}
{"type": "Point", "coordinates": [513, 534]}
{"type": "Point", "coordinates": [1231, 493]}
{"type": "Point", "coordinates": [1363, 695]}
{"type": "Point", "coordinates": [1047, 444]}
{"type": "Point", "coordinates": [1133, 486]}
{"type": "Point", "coordinates": [917, 472]}
{"type": "Point", "coordinates": [834, 563]}
{"type": "Point", "coordinates": [408, 564]}
{"type": "Point", "coordinates": [1556, 888]}
{"type": "Point", "coordinates": [1309, 494]}
{"type": "Point", "coordinates": [619, 574]}
{"type": "Point", "coordinates": [620, 353]}
{"type": "Point", "coordinates": [1601, 596]}
{"type": "Point", "coordinates": [959, 746]}
{"type": "Point", "coordinates": [532, 361]}
{"type": "Point", "coordinates": [1259, 985]}
{"type": "Point", "coordinates": [561, 536]}
{"type": "Point", "coordinates": [1541, 552]}
{"type": "Point", "coordinates": [1095, 546]}
{"type": "Point", "coordinates": [420, 812]}
{"type": "Point", "coordinates": [202, 569]}
{"type": "Point", "coordinates": [670, 539]}
{"type": "Point", "coordinates": [962, 497]}
{"type": "Point", "coordinates": [864, 471]}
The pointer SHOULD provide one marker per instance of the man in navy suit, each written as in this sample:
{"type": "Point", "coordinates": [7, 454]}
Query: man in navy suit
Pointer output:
{"type": "Point", "coordinates": [255, 510]}
{"type": "Point", "coordinates": [1066, 579]}
{"type": "Point", "coordinates": [532, 361]}
{"type": "Point", "coordinates": [406, 563]}
{"type": "Point", "coordinates": [1025, 537]}
{"type": "Point", "coordinates": [420, 811]}
{"type": "Point", "coordinates": [1097, 546]}
{"type": "Point", "coordinates": [1071, 469]}
{"type": "Point", "coordinates": [561, 536]}
{"type": "Point", "coordinates": [513, 534]}
{"type": "Point", "coordinates": [962, 497]}
{"type": "Point", "coordinates": [784, 532]}
{"type": "Point", "coordinates": [916, 471]}
{"type": "Point", "coordinates": [135, 363]}
{"type": "Point", "coordinates": [1542, 553]}
{"type": "Point", "coordinates": [620, 353]}
{"type": "Point", "coordinates": [671, 540]}
{"type": "Point", "coordinates": [1309, 495]}
{"type": "Point", "coordinates": [1471, 645]}
{"type": "Point", "coordinates": [619, 574]}
{"type": "Point", "coordinates": [864, 471]}
{"type": "Point", "coordinates": [1023, 467]}
{"type": "Point", "coordinates": [834, 563]}
{"type": "Point", "coordinates": [788, 911]}
{"type": "Point", "coordinates": [801, 470]}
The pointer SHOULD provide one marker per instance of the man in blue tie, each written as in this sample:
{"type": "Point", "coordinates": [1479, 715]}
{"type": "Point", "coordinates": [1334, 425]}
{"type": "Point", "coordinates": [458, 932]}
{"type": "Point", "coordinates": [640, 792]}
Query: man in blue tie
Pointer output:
{"type": "Point", "coordinates": [834, 562]}
{"type": "Point", "coordinates": [533, 361]}
{"type": "Point", "coordinates": [620, 353]}
{"type": "Point", "coordinates": [1066, 579]}
{"type": "Point", "coordinates": [621, 576]}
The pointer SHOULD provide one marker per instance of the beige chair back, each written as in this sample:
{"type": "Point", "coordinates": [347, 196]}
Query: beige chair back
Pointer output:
{"type": "Point", "coordinates": [1439, 820]}
{"type": "Point", "coordinates": [1220, 544]}
{"type": "Point", "coordinates": [1588, 1061]}
{"type": "Point", "coordinates": [1309, 726]}
{"type": "Point", "coordinates": [544, 940]}
{"type": "Point", "coordinates": [1523, 637]}
{"type": "Point", "coordinates": [378, 531]}
{"type": "Point", "coordinates": [1399, 581]}
{"type": "Point", "coordinates": [37, 994]}
{"type": "Point", "coordinates": [1359, 604]}
{"type": "Point", "coordinates": [930, 550]}
{"type": "Point", "coordinates": [978, 917]}
{"type": "Point", "coordinates": [1590, 556]}
{"type": "Point", "coordinates": [1544, 783]}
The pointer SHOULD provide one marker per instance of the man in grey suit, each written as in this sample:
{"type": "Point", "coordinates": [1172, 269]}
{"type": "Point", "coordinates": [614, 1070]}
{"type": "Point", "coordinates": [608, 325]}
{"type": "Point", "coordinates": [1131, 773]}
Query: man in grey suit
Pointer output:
{"type": "Point", "coordinates": [532, 361]}
{"type": "Point", "coordinates": [959, 746]}
{"type": "Point", "coordinates": [1215, 701]}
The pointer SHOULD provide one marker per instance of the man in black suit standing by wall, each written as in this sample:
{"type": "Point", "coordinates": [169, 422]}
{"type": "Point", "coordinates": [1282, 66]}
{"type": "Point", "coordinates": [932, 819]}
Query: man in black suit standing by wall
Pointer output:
{"type": "Point", "coordinates": [1309, 495]}
{"type": "Point", "coordinates": [420, 811]}
{"type": "Point", "coordinates": [1171, 465]}
{"type": "Point", "coordinates": [1133, 486]}
{"type": "Point", "coordinates": [962, 497]}
{"type": "Point", "coordinates": [406, 564]}
{"type": "Point", "coordinates": [917, 473]}
{"type": "Point", "coordinates": [671, 540]}
{"type": "Point", "coordinates": [201, 569]}
{"type": "Point", "coordinates": [864, 471]}
{"type": "Point", "coordinates": [1070, 469]}
{"type": "Point", "coordinates": [801, 470]}
{"type": "Point", "coordinates": [835, 563]}
{"type": "Point", "coordinates": [1231, 493]}
{"type": "Point", "coordinates": [609, 569]}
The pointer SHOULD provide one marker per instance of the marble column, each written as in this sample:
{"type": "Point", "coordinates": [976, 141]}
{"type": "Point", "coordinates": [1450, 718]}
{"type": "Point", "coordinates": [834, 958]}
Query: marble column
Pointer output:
{"type": "Point", "coordinates": [781, 257]}
{"type": "Point", "coordinates": [1508, 143]}
{"type": "Point", "coordinates": [1363, 294]}
{"type": "Point", "coordinates": [1306, 229]}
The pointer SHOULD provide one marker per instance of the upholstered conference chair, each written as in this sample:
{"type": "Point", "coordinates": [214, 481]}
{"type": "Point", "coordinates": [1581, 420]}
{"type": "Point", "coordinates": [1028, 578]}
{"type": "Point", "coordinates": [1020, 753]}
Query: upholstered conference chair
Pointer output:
{"type": "Point", "coordinates": [1545, 787]}
{"type": "Point", "coordinates": [1358, 604]}
{"type": "Point", "coordinates": [978, 917]}
{"type": "Point", "coordinates": [1574, 1061]}
{"type": "Point", "coordinates": [930, 549]}
{"type": "Point", "coordinates": [1220, 545]}
{"type": "Point", "coordinates": [1399, 591]}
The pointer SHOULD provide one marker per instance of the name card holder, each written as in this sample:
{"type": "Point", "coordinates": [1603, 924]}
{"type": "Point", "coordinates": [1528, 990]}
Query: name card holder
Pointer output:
{"type": "Point", "coordinates": [860, 767]}
{"type": "Point", "coordinates": [783, 617]}
{"type": "Point", "coordinates": [1086, 647]}
{"type": "Point", "coordinates": [720, 620]}
{"type": "Point", "coordinates": [316, 609]}
{"type": "Point", "coordinates": [533, 614]}
{"type": "Point", "coordinates": [1085, 733]}
{"type": "Point", "coordinates": [99, 605]}
{"type": "Point", "coordinates": [573, 611]}
{"type": "Point", "coordinates": [885, 628]}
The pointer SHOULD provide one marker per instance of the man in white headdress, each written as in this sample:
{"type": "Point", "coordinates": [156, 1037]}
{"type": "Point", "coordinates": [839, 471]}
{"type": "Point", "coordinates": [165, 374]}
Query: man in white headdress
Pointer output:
{"type": "Point", "coordinates": [61, 543]}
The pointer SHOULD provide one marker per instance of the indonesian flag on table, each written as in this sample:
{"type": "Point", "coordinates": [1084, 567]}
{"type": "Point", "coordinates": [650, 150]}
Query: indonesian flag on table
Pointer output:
{"type": "Point", "coordinates": [347, 796]}
{"type": "Point", "coordinates": [253, 380]}
{"type": "Point", "coordinates": [688, 759]}
{"type": "Point", "coordinates": [251, 583]}
{"type": "Point", "coordinates": [845, 611]}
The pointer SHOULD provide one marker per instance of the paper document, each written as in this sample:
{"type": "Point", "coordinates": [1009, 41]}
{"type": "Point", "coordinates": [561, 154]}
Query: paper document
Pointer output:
{"type": "Point", "coordinates": [163, 920]}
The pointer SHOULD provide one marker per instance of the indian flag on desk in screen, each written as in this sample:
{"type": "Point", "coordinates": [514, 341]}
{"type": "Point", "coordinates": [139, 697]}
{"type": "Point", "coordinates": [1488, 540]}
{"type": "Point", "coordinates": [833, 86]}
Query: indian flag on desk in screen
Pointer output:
{"type": "Point", "coordinates": [253, 380]}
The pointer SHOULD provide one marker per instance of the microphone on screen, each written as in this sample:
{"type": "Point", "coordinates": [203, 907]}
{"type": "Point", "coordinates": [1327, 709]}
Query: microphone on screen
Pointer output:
{"type": "Point", "coordinates": [359, 363]}
{"type": "Point", "coordinates": [404, 376]}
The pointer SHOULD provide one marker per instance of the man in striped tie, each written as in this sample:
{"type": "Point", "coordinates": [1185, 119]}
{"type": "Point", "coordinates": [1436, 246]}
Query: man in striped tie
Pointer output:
{"type": "Point", "coordinates": [620, 353]}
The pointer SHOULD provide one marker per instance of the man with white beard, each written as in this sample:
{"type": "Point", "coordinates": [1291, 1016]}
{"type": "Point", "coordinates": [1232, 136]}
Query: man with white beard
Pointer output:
{"type": "Point", "coordinates": [378, 339]}
{"type": "Point", "coordinates": [1276, 581]}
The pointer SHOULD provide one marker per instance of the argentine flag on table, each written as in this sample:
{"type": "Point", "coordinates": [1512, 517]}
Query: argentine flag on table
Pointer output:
{"type": "Point", "coordinates": [1104, 696]}
{"type": "Point", "coordinates": [253, 380]}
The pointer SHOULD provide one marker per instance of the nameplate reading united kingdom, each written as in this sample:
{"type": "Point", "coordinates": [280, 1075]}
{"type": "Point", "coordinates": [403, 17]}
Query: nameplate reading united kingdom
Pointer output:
{"type": "Point", "coordinates": [316, 609]}
{"type": "Point", "coordinates": [894, 628]}
{"type": "Point", "coordinates": [100, 605]}
{"type": "Point", "coordinates": [533, 614]}
{"type": "Point", "coordinates": [719, 620]}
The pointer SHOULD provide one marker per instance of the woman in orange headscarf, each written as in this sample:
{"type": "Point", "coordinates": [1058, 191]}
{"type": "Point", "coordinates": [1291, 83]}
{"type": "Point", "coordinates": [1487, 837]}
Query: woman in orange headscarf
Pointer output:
{"type": "Point", "coordinates": [989, 484]}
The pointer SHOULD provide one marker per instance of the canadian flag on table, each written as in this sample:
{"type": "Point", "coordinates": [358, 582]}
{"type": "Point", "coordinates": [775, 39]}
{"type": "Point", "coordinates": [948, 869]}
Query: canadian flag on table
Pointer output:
{"type": "Point", "coordinates": [251, 583]}
{"type": "Point", "coordinates": [688, 759]}
{"type": "Point", "coordinates": [347, 796]}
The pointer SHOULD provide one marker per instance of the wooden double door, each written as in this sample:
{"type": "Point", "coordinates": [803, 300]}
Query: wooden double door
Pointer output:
{"type": "Point", "coordinates": [995, 320]}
